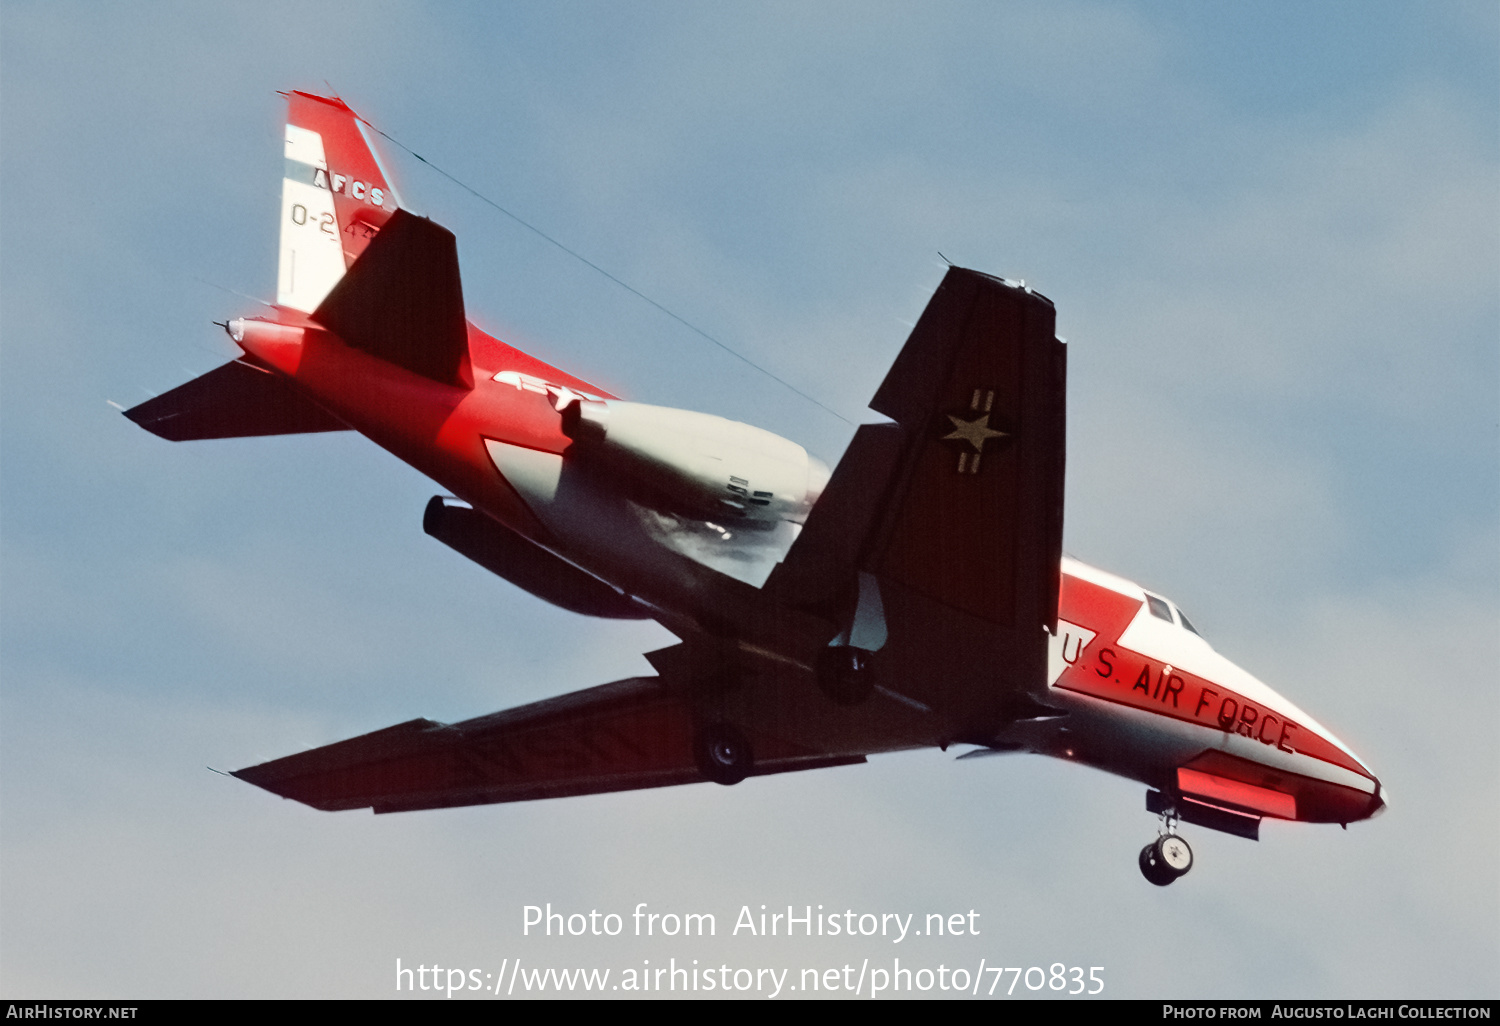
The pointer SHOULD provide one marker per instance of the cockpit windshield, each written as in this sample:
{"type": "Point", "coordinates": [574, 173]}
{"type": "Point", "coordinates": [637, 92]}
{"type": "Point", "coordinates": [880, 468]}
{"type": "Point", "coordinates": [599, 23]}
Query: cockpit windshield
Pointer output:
{"type": "Point", "coordinates": [1162, 610]}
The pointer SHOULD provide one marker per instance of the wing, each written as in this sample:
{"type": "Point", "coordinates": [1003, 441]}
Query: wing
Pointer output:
{"type": "Point", "coordinates": [954, 511]}
{"type": "Point", "coordinates": [631, 734]}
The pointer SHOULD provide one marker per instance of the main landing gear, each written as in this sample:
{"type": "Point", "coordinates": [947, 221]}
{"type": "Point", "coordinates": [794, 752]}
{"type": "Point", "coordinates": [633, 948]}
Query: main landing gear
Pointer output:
{"type": "Point", "coordinates": [1167, 857]}
{"type": "Point", "coordinates": [723, 753]}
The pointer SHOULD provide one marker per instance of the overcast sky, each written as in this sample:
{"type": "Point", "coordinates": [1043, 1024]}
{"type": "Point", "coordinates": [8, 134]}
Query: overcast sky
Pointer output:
{"type": "Point", "coordinates": [1271, 233]}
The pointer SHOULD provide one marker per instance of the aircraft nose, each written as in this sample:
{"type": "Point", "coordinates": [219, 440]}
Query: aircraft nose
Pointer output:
{"type": "Point", "coordinates": [1379, 801]}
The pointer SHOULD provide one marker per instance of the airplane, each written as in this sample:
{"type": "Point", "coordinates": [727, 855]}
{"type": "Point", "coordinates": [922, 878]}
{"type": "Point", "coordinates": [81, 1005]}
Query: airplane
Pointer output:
{"type": "Point", "coordinates": [914, 596]}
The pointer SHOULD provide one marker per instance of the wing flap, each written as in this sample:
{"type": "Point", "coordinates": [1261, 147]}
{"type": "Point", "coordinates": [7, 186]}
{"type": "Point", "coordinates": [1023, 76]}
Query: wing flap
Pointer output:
{"type": "Point", "coordinates": [236, 400]}
{"type": "Point", "coordinates": [630, 734]}
{"type": "Point", "coordinates": [819, 571]}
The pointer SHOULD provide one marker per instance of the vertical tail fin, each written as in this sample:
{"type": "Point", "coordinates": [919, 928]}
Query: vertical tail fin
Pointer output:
{"type": "Point", "coordinates": [335, 196]}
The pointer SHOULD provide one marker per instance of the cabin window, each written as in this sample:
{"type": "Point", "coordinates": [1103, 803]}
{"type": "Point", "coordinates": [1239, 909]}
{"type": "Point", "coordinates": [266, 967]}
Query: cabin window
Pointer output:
{"type": "Point", "coordinates": [1159, 608]}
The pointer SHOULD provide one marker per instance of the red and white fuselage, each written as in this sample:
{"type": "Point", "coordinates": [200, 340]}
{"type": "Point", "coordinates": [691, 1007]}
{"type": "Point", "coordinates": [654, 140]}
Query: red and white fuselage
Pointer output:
{"type": "Point", "coordinates": [1149, 698]}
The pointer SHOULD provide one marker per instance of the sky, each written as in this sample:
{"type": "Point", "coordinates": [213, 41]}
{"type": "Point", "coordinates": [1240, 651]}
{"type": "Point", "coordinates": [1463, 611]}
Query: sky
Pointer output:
{"type": "Point", "coordinates": [1271, 234]}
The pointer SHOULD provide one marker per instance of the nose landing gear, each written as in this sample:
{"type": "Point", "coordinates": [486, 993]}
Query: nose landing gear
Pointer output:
{"type": "Point", "coordinates": [1167, 857]}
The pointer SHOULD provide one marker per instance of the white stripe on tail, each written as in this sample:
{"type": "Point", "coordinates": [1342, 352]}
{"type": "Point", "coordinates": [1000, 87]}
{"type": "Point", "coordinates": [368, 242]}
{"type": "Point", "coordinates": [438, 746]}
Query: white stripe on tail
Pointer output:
{"type": "Point", "coordinates": [335, 196]}
{"type": "Point", "coordinates": [312, 261]}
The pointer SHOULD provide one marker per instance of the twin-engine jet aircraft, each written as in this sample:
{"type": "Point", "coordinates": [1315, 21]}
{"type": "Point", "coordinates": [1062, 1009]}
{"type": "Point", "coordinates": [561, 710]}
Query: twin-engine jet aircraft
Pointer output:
{"type": "Point", "coordinates": [915, 596]}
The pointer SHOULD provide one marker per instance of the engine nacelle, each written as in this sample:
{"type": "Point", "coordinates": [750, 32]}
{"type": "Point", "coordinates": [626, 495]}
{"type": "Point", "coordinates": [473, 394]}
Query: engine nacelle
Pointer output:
{"type": "Point", "coordinates": [720, 468]}
{"type": "Point", "coordinates": [522, 562]}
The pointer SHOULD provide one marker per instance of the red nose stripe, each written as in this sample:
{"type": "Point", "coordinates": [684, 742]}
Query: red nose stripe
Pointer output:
{"type": "Point", "coordinates": [1106, 669]}
{"type": "Point", "coordinates": [1235, 792]}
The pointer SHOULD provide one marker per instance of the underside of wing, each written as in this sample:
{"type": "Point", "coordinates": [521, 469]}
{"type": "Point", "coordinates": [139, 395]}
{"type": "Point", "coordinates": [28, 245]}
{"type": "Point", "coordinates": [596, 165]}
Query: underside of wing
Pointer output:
{"type": "Point", "coordinates": [979, 389]}
{"type": "Point", "coordinates": [949, 521]}
{"type": "Point", "coordinates": [630, 734]}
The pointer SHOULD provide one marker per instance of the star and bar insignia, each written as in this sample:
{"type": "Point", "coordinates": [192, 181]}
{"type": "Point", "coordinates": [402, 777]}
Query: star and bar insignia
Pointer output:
{"type": "Point", "coordinates": [974, 432]}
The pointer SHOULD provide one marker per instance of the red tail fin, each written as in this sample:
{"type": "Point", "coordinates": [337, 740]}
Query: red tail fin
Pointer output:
{"type": "Point", "coordinates": [335, 197]}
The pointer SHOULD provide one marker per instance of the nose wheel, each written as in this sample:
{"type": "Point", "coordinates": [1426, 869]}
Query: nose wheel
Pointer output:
{"type": "Point", "coordinates": [1165, 859]}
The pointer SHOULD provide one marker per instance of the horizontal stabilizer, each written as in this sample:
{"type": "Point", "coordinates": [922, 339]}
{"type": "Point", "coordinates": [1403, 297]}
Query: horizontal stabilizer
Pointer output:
{"type": "Point", "coordinates": [236, 400]}
{"type": "Point", "coordinates": [403, 301]}
{"type": "Point", "coordinates": [631, 734]}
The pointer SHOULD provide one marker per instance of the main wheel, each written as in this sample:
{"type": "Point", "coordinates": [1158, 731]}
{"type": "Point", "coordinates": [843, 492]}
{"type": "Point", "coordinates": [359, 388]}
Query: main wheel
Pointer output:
{"type": "Point", "coordinates": [844, 674]}
{"type": "Point", "coordinates": [1153, 868]}
{"type": "Point", "coordinates": [723, 753]}
{"type": "Point", "coordinates": [1173, 853]}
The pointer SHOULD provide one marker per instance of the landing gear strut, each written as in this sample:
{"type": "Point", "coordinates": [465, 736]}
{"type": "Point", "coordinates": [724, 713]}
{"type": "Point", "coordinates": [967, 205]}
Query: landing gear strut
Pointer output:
{"type": "Point", "coordinates": [844, 674]}
{"type": "Point", "coordinates": [1167, 857]}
